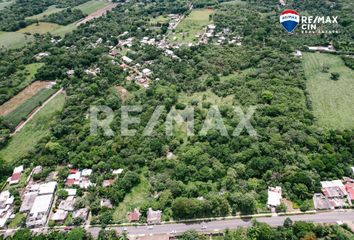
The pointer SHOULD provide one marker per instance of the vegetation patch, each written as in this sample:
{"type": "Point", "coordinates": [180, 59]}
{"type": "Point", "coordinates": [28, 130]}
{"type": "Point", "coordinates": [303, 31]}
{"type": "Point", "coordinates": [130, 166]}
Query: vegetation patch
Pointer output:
{"type": "Point", "coordinates": [5, 3]}
{"type": "Point", "coordinates": [40, 28]}
{"type": "Point", "coordinates": [23, 96]}
{"type": "Point", "coordinates": [332, 99]}
{"type": "Point", "coordinates": [192, 25]}
{"type": "Point", "coordinates": [23, 110]}
{"type": "Point", "coordinates": [50, 10]}
{"type": "Point", "coordinates": [92, 6]}
{"type": "Point", "coordinates": [14, 39]}
{"type": "Point", "coordinates": [38, 127]}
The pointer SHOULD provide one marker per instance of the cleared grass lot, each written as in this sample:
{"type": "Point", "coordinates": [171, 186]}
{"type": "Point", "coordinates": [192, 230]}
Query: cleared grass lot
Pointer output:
{"type": "Point", "coordinates": [50, 10]}
{"type": "Point", "coordinates": [37, 128]}
{"type": "Point", "coordinates": [40, 28]}
{"type": "Point", "coordinates": [192, 25]}
{"type": "Point", "coordinates": [14, 39]}
{"type": "Point", "coordinates": [92, 6]}
{"type": "Point", "coordinates": [332, 101]}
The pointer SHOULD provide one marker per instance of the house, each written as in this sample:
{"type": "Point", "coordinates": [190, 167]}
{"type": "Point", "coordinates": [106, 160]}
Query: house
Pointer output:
{"type": "Point", "coordinates": [67, 204]}
{"type": "Point", "coordinates": [37, 170]}
{"type": "Point", "coordinates": [6, 201]}
{"type": "Point", "coordinates": [47, 188]}
{"type": "Point", "coordinates": [41, 55]}
{"type": "Point", "coordinates": [298, 53]}
{"type": "Point", "coordinates": [330, 48]}
{"type": "Point", "coordinates": [134, 216]}
{"type": "Point", "coordinates": [117, 171]}
{"type": "Point", "coordinates": [321, 202]}
{"type": "Point", "coordinates": [153, 217]}
{"type": "Point", "coordinates": [107, 183]}
{"type": "Point", "coordinates": [86, 172]}
{"type": "Point", "coordinates": [70, 72]}
{"type": "Point", "coordinates": [71, 191]}
{"type": "Point", "coordinates": [106, 203]}
{"type": "Point", "coordinates": [59, 216]}
{"type": "Point", "coordinates": [126, 59]}
{"type": "Point", "coordinates": [349, 187]}
{"type": "Point", "coordinates": [81, 213]}
{"type": "Point", "coordinates": [274, 196]}
{"type": "Point", "coordinates": [16, 175]}
{"type": "Point", "coordinates": [353, 170]}
{"type": "Point", "coordinates": [79, 178]}
{"type": "Point", "coordinates": [146, 72]}
{"type": "Point", "coordinates": [27, 201]}
{"type": "Point", "coordinates": [39, 212]}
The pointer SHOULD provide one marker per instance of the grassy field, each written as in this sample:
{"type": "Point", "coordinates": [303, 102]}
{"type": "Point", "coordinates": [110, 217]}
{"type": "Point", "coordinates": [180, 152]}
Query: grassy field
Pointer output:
{"type": "Point", "coordinates": [160, 19]}
{"type": "Point", "coordinates": [332, 101]}
{"type": "Point", "coordinates": [92, 6]}
{"type": "Point", "coordinates": [38, 127]}
{"type": "Point", "coordinates": [30, 70]}
{"type": "Point", "coordinates": [136, 198]}
{"type": "Point", "coordinates": [14, 39]}
{"type": "Point", "coordinates": [50, 10]}
{"type": "Point", "coordinates": [190, 26]}
{"type": "Point", "coordinates": [23, 110]}
{"type": "Point", "coordinates": [62, 30]}
{"type": "Point", "coordinates": [17, 220]}
{"type": "Point", "coordinates": [41, 28]}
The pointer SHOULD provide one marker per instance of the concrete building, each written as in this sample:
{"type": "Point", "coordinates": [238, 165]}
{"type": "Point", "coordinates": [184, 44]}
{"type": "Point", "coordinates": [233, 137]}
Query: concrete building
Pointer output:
{"type": "Point", "coordinates": [274, 196]}
{"type": "Point", "coordinates": [6, 202]}
{"type": "Point", "coordinates": [153, 217]}
{"type": "Point", "coordinates": [39, 212]}
{"type": "Point", "coordinates": [134, 216]}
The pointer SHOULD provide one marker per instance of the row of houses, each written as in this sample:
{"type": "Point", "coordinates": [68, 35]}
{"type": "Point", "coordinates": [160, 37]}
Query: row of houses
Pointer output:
{"type": "Point", "coordinates": [152, 216]}
{"type": "Point", "coordinates": [6, 207]}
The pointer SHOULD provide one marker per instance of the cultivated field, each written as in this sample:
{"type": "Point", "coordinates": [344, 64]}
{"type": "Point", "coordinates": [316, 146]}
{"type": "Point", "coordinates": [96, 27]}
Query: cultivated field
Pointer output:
{"type": "Point", "coordinates": [92, 6]}
{"type": "Point", "coordinates": [37, 128]}
{"type": "Point", "coordinates": [13, 39]}
{"type": "Point", "coordinates": [50, 10]}
{"type": "Point", "coordinates": [97, 13]}
{"type": "Point", "coordinates": [192, 25]}
{"type": "Point", "coordinates": [40, 28]}
{"type": "Point", "coordinates": [23, 96]}
{"type": "Point", "coordinates": [20, 113]}
{"type": "Point", "coordinates": [332, 101]}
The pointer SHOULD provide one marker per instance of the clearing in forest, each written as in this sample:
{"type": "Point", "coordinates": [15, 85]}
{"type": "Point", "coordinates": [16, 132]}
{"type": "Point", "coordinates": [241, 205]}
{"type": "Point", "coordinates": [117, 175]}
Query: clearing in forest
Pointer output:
{"type": "Point", "coordinates": [14, 39]}
{"type": "Point", "coordinates": [40, 28]}
{"type": "Point", "coordinates": [37, 128]}
{"type": "Point", "coordinates": [123, 93]}
{"type": "Point", "coordinates": [23, 96]}
{"type": "Point", "coordinates": [99, 12]}
{"type": "Point", "coordinates": [332, 100]}
{"type": "Point", "coordinates": [50, 10]}
{"type": "Point", "coordinates": [188, 29]}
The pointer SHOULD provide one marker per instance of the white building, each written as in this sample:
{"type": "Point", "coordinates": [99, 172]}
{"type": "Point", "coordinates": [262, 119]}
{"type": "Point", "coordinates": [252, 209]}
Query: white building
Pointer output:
{"type": "Point", "coordinates": [6, 201]}
{"type": "Point", "coordinates": [274, 196]}
{"type": "Point", "coordinates": [47, 188]}
{"type": "Point", "coordinates": [126, 59]}
{"type": "Point", "coordinates": [39, 211]}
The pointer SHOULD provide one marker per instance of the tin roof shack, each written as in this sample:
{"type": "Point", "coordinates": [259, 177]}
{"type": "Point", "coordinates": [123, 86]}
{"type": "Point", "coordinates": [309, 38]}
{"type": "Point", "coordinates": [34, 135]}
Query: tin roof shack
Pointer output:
{"type": "Point", "coordinates": [6, 202]}
{"type": "Point", "coordinates": [134, 216]}
{"type": "Point", "coordinates": [81, 213]}
{"type": "Point", "coordinates": [16, 175]}
{"type": "Point", "coordinates": [274, 197]}
{"type": "Point", "coordinates": [59, 216]}
{"type": "Point", "coordinates": [153, 217]}
{"type": "Point", "coordinates": [67, 204]}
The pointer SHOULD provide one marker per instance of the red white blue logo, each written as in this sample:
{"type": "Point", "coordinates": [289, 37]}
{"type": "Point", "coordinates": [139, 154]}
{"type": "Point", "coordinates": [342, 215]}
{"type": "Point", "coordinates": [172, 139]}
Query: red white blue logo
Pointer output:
{"type": "Point", "coordinates": [289, 19]}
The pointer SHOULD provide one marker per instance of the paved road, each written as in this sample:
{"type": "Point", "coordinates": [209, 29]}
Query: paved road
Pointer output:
{"type": "Point", "coordinates": [328, 217]}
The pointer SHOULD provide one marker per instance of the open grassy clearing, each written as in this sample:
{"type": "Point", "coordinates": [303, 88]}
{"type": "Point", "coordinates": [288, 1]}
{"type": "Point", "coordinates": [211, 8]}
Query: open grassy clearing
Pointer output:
{"type": "Point", "coordinates": [234, 2]}
{"type": "Point", "coordinates": [92, 6]}
{"type": "Point", "coordinates": [192, 25]}
{"type": "Point", "coordinates": [332, 101]}
{"type": "Point", "coordinates": [139, 195]}
{"type": "Point", "coordinates": [22, 111]}
{"type": "Point", "coordinates": [14, 39]}
{"type": "Point", "coordinates": [160, 19]}
{"type": "Point", "coordinates": [50, 10]}
{"type": "Point", "coordinates": [41, 28]}
{"type": "Point", "coordinates": [205, 97]}
{"type": "Point", "coordinates": [16, 222]}
{"type": "Point", "coordinates": [21, 97]}
{"type": "Point", "coordinates": [38, 127]}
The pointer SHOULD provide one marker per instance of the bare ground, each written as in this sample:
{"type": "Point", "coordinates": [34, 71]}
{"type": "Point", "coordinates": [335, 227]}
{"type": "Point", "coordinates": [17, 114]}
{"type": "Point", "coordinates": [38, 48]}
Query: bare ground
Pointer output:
{"type": "Point", "coordinates": [22, 96]}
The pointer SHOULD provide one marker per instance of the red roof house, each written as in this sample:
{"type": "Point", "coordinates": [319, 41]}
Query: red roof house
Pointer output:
{"type": "Point", "coordinates": [134, 216]}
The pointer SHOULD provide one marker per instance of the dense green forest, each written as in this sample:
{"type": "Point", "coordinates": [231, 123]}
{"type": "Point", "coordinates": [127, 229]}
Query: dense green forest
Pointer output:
{"type": "Point", "coordinates": [65, 17]}
{"type": "Point", "coordinates": [230, 173]}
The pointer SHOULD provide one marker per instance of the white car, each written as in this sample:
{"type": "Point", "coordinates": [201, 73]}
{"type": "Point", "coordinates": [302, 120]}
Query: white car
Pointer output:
{"type": "Point", "coordinates": [150, 227]}
{"type": "Point", "coordinates": [125, 229]}
{"type": "Point", "coordinates": [204, 227]}
{"type": "Point", "coordinates": [173, 232]}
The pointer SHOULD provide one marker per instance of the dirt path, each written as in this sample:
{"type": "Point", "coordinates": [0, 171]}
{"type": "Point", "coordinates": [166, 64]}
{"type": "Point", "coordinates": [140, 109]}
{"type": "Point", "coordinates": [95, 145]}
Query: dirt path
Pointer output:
{"type": "Point", "coordinates": [97, 14]}
{"type": "Point", "coordinates": [22, 96]}
{"type": "Point", "coordinates": [22, 124]}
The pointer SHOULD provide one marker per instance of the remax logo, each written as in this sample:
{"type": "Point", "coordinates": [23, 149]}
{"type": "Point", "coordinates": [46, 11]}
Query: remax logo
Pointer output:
{"type": "Point", "coordinates": [290, 19]}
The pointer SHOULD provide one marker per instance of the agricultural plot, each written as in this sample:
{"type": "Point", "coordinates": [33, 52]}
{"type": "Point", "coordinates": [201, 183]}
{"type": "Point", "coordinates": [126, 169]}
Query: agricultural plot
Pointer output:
{"type": "Point", "coordinates": [37, 128]}
{"type": "Point", "coordinates": [332, 100]}
{"type": "Point", "coordinates": [23, 96]}
{"type": "Point", "coordinates": [191, 26]}
{"type": "Point", "coordinates": [40, 28]}
{"type": "Point", "coordinates": [50, 10]}
{"type": "Point", "coordinates": [92, 6]}
{"type": "Point", "coordinates": [22, 111]}
{"type": "Point", "coordinates": [14, 39]}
